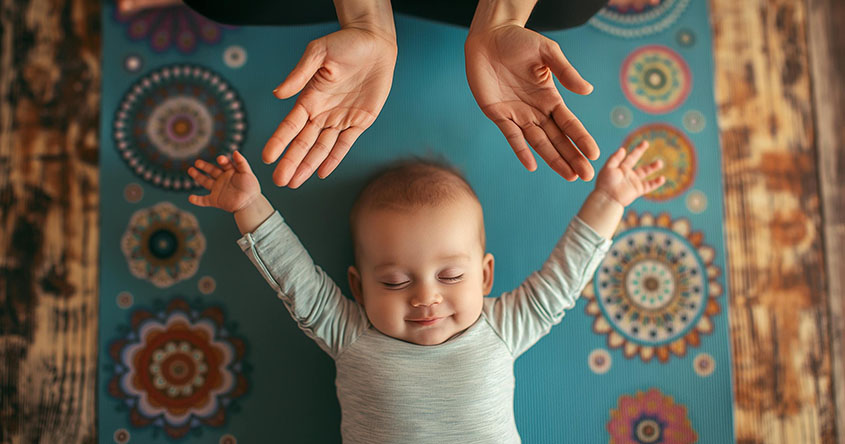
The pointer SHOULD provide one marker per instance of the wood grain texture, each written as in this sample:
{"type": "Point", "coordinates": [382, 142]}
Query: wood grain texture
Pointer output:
{"type": "Point", "coordinates": [779, 317]}
{"type": "Point", "coordinates": [49, 118]}
{"type": "Point", "coordinates": [826, 43]}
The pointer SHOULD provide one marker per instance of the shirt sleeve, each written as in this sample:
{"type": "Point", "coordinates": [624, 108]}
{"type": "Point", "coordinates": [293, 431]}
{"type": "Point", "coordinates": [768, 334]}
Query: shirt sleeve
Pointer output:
{"type": "Point", "coordinates": [522, 316]}
{"type": "Point", "coordinates": [314, 301]}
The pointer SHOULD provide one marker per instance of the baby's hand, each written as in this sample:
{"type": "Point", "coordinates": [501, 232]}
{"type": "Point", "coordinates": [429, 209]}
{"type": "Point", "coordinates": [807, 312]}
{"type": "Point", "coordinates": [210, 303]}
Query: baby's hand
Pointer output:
{"type": "Point", "coordinates": [621, 182]}
{"type": "Point", "coordinates": [233, 187]}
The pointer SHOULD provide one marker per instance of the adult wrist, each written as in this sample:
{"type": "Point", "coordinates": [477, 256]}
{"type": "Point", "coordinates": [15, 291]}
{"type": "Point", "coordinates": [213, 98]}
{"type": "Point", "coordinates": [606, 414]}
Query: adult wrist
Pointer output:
{"type": "Point", "coordinates": [497, 13]}
{"type": "Point", "coordinates": [375, 16]}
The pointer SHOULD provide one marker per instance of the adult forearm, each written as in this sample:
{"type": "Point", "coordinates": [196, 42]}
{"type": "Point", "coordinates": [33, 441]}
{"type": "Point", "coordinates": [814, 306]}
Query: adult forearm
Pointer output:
{"type": "Point", "coordinates": [252, 215]}
{"type": "Point", "coordinates": [493, 13]}
{"type": "Point", "coordinates": [602, 213]}
{"type": "Point", "coordinates": [373, 15]}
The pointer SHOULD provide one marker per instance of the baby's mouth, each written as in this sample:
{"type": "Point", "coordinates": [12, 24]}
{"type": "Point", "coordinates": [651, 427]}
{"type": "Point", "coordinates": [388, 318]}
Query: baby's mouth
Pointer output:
{"type": "Point", "coordinates": [425, 321]}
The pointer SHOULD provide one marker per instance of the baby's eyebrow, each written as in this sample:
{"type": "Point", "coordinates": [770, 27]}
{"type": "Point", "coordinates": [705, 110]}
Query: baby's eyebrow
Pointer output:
{"type": "Point", "coordinates": [446, 257]}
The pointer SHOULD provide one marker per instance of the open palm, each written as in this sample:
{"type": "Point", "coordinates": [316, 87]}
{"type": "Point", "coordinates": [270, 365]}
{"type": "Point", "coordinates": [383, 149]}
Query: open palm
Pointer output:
{"type": "Point", "coordinates": [233, 185]}
{"type": "Point", "coordinates": [624, 183]}
{"type": "Point", "coordinates": [510, 72]}
{"type": "Point", "coordinates": [344, 79]}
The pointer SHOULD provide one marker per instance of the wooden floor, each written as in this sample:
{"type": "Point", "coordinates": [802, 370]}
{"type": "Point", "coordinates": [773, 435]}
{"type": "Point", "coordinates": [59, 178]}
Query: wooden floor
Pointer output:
{"type": "Point", "coordinates": [780, 66]}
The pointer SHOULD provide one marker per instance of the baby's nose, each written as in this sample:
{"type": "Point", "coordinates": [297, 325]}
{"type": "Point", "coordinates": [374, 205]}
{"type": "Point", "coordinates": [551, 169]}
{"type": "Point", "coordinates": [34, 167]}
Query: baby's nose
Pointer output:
{"type": "Point", "coordinates": [425, 298]}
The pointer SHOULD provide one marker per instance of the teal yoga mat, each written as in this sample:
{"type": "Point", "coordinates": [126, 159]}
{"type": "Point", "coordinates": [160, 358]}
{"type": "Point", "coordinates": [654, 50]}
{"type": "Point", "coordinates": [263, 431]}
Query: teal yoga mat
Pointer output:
{"type": "Point", "coordinates": [195, 347]}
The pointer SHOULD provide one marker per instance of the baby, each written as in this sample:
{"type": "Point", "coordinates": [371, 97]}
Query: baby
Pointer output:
{"type": "Point", "coordinates": [421, 355]}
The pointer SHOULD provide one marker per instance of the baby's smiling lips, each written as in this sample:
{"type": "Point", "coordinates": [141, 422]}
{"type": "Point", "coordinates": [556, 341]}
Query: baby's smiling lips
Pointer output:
{"type": "Point", "coordinates": [425, 321]}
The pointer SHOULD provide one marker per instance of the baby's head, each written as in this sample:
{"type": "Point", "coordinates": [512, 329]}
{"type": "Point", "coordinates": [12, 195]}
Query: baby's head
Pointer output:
{"type": "Point", "coordinates": [418, 233]}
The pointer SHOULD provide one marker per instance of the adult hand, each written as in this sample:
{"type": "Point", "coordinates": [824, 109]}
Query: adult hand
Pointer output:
{"type": "Point", "coordinates": [620, 181]}
{"type": "Point", "coordinates": [344, 79]}
{"type": "Point", "coordinates": [510, 72]}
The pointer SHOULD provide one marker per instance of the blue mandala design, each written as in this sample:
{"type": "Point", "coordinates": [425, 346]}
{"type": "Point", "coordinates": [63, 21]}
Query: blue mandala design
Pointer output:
{"type": "Point", "coordinates": [632, 22]}
{"type": "Point", "coordinates": [173, 116]}
{"type": "Point", "coordinates": [163, 244]}
{"type": "Point", "coordinates": [657, 289]}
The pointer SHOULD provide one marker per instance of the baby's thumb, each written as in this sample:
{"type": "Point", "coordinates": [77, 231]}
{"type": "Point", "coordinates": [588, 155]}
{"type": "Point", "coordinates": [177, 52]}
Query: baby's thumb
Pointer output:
{"type": "Point", "coordinates": [310, 62]}
{"type": "Point", "coordinates": [241, 164]}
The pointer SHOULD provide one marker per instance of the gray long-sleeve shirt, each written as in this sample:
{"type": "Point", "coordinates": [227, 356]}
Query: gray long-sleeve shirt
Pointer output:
{"type": "Point", "coordinates": [392, 391]}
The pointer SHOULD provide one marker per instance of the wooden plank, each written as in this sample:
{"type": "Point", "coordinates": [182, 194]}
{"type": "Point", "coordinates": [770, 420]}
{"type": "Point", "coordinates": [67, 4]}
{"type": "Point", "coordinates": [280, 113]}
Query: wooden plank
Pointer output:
{"type": "Point", "coordinates": [49, 119]}
{"type": "Point", "coordinates": [826, 43]}
{"type": "Point", "coordinates": [778, 316]}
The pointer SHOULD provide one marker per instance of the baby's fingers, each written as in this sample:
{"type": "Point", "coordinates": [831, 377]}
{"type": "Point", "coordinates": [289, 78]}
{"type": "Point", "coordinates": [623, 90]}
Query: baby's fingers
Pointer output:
{"type": "Point", "coordinates": [208, 168]}
{"type": "Point", "coordinates": [635, 155]}
{"type": "Point", "coordinates": [200, 178]}
{"type": "Point", "coordinates": [202, 201]}
{"type": "Point", "coordinates": [653, 184]}
{"type": "Point", "coordinates": [646, 170]}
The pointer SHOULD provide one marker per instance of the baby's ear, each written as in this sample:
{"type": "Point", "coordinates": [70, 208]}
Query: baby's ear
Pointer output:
{"type": "Point", "coordinates": [487, 268]}
{"type": "Point", "coordinates": [355, 284]}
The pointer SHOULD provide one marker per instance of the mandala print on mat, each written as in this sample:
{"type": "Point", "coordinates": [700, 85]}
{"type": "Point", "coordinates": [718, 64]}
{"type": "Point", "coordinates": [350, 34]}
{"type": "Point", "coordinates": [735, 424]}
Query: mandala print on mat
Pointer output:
{"type": "Point", "coordinates": [630, 21]}
{"type": "Point", "coordinates": [677, 152]}
{"type": "Point", "coordinates": [657, 290]}
{"type": "Point", "coordinates": [170, 26]}
{"type": "Point", "coordinates": [173, 116]}
{"type": "Point", "coordinates": [178, 368]}
{"type": "Point", "coordinates": [163, 244]}
{"type": "Point", "coordinates": [650, 418]}
{"type": "Point", "coordinates": [655, 79]}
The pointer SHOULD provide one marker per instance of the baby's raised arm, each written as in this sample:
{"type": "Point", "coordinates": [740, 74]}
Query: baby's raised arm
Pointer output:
{"type": "Point", "coordinates": [312, 298]}
{"type": "Point", "coordinates": [526, 314]}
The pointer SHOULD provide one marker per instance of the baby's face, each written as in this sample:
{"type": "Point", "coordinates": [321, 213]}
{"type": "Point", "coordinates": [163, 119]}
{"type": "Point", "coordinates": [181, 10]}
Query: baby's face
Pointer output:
{"type": "Point", "coordinates": [421, 264]}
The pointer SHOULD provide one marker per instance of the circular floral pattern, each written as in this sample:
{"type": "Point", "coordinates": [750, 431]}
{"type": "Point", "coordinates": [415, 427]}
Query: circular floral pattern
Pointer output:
{"type": "Point", "coordinates": [677, 152]}
{"type": "Point", "coordinates": [655, 79]}
{"type": "Point", "coordinates": [133, 193]}
{"type": "Point", "coordinates": [694, 121]}
{"type": "Point", "coordinates": [621, 116]}
{"type": "Point", "coordinates": [703, 365]}
{"type": "Point", "coordinates": [696, 201]}
{"type": "Point", "coordinates": [650, 418]}
{"type": "Point", "coordinates": [228, 439]}
{"type": "Point", "coordinates": [124, 299]}
{"type": "Point", "coordinates": [234, 56]}
{"type": "Point", "coordinates": [685, 37]}
{"type": "Point", "coordinates": [163, 244]}
{"type": "Point", "coordinates": [656, 290]}
{"type": "Point", "coordinates": [121, 436]}
{"type": "Point", "coordinates": [165, 27]}
{"type": "Point", "coordinates": [178, 368]}
{"type": "Point", "coordinates": [206, 285]}
{"type": "Point", "coordinates": [173, 116]}
{"type": "Point", "coordinates": [632, 21]}
{"type": "Point", "coordinates": [599, 361]}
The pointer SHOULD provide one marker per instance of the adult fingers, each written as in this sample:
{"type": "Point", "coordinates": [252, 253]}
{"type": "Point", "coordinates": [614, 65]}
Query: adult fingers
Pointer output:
{"type": "Point", "coordinates": [552, 56]}
{"type": "Point", "coordinates": [208, 168]}
{"type": "Point", "coordinates": [634, 155]}
{"type": "Point", "coordinates": [314, 157]}
{"type": "Point", "coordinates": [311, 60]}
{"type": "Point", "coordinates": [344, 142]}
{"type": "Point", "coordinates": [516, 139]}
{"type": "Point", "coordinates": [291, 125]}
{"type": "Point", "coordinates": [574, 129]}
{"type": "Point", "coordinates": [203, 180]}
{"type": "Point", "coordinates": [538, 139]}
{"type": "Point", "coordinates": [567, 150]}
{"type": "Point", "coordinates": [295, 153]}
